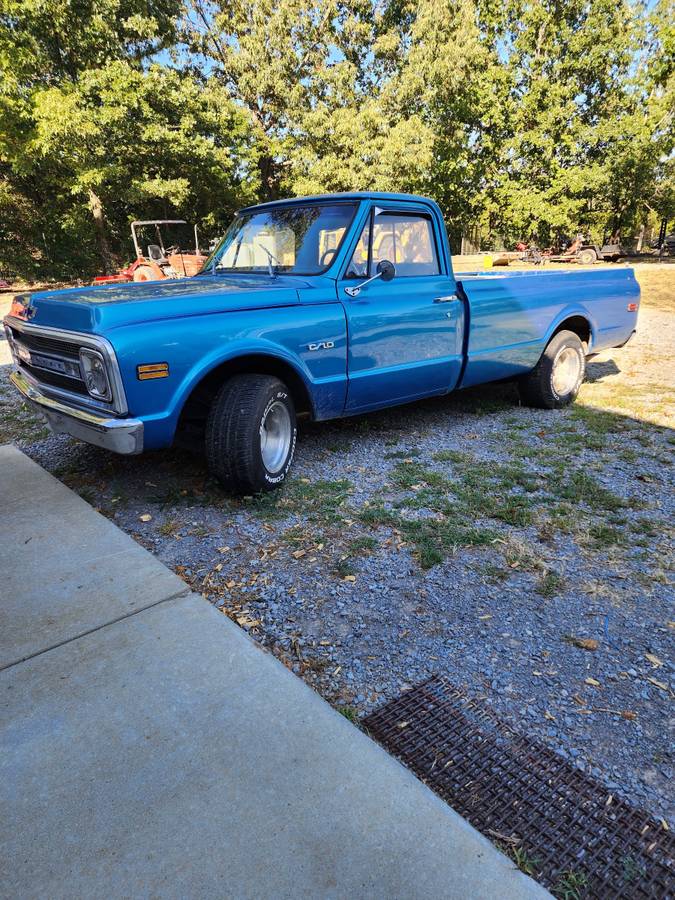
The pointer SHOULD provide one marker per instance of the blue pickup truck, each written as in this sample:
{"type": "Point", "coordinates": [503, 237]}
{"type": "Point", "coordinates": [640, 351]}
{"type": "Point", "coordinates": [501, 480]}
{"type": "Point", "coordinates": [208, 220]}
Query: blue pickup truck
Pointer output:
{"type": "Point", "coordinates": [319, 307]}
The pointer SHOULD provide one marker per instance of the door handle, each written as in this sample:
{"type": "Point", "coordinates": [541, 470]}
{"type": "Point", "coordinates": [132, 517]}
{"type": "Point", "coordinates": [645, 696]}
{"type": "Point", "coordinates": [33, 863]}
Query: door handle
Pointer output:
{"type": "Point", "coordinates": [449, 299]}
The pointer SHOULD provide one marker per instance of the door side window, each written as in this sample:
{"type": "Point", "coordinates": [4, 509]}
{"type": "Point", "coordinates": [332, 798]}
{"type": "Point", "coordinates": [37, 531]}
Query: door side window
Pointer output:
{"type": "Point", "coordinates": [406, 239]}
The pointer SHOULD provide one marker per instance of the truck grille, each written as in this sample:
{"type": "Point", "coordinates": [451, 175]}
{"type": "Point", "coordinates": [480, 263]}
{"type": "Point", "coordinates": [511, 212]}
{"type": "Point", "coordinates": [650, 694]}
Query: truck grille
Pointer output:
{"type": "Point", "coordinates": [49, 361]}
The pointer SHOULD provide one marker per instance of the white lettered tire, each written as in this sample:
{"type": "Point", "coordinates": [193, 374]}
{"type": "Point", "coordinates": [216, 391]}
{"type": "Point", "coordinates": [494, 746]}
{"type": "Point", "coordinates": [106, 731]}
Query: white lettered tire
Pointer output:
{"type": "Point", "coordinates": [251, 433]}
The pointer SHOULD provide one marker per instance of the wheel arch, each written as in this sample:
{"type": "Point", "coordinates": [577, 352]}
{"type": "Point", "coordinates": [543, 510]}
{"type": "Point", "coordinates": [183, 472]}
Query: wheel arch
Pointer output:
{"type": "Point", "coordinates": [580, 324]}
{"type": "Point", "coordinates": [198, 400]}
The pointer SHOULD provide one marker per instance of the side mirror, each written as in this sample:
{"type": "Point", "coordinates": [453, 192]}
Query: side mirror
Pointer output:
{"type": "Point", "coordinates": [385, 270]}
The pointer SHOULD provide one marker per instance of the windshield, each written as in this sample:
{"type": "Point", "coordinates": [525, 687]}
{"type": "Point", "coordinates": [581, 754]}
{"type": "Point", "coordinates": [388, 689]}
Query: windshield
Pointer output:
{"type": "Point", "coordinates": [295, 240]}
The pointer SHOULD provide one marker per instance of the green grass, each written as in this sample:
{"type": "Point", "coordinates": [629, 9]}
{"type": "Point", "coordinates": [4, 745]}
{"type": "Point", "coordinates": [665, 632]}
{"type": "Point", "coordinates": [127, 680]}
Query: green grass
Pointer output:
{"type": "Point", "coordinates": [321, 501]}
{"type": "Point", "coordinates": [362, 545]}
{"type": "Point", "coordinates": [378, 515]}
{"type": "Point", "coordinates": [580, 487]}
{"type": "Point", "coordinates": [455, 456]}
{"type": "Point", "coordinates": [168, 528]}
{"type": "Point", "coordinates": [526, 863]}
{"type": "Point", "coordinates": [571, 885]}
{"type": "Point", "coordinates": [349, 713]}
{"type": "Point", "coordinates": [402, 454]}
{"type": "Point", "coordinates": [550, 584]}
{"type": "Point", "coordinates": [408, 475]}
{"type": "Point", "coordinates": [601, 536]}
{"type": "Point", "coordinates": [435, 539]}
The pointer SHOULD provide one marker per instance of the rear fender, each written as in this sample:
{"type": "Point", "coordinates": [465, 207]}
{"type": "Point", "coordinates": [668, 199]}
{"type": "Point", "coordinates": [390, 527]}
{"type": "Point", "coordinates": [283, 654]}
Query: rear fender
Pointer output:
{"type": "Point", "coordinates": [574, 310]}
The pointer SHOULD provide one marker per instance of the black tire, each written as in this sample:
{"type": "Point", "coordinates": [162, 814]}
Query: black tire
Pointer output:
{"type": "Point", "coordinates": [538, 388]}
{"type": "Point", "coordinates": [233, 433]}
{"type": "Point", "coordinates": [587, 257]}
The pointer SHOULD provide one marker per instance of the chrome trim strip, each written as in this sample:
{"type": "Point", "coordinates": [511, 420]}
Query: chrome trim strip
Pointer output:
{"type": "Point", "coordinates": [120, 435]}
{"type": "Point", "coordinates": [94, 341]}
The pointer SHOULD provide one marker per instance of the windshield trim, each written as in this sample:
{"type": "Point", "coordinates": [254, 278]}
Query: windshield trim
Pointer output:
{"type": "Point", "coordinates": [284, 204]}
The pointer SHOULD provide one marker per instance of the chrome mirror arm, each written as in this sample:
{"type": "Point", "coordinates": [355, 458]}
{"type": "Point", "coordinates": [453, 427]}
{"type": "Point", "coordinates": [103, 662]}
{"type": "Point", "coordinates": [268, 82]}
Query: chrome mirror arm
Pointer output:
{"type": "Point", "coordinates": [356, 290]}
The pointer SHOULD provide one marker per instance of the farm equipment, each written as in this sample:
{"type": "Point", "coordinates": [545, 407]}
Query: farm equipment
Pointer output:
{"type": "Point", "coordinates": [580, 250]}
{"type": "Point", "coordinates": [158, 262]}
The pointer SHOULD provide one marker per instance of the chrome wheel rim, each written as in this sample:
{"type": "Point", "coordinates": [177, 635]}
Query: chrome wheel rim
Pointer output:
{"type": "Point", "coordinates": [566, 370]}
{"type": "Point", "coordinates": [275, 436]}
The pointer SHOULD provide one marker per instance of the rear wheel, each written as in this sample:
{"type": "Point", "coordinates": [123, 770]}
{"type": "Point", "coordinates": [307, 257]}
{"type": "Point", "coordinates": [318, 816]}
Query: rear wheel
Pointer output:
{"type": "Point", "coordinates": [587, 257]}
{"type": "Point", "coordinates": [557, 377]}
{"type": "Point", "coordinates": [251, 433]}
{"type": "Point", "coordinates": [148, 273]}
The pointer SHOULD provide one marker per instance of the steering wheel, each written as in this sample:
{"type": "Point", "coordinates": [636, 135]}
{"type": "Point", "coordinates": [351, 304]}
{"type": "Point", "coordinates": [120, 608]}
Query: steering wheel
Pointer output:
{"type": "Point", "coordinates": [327, 253]}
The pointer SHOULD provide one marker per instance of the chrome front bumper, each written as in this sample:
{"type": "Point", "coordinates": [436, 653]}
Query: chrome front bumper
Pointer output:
{"type": "Point", "coordinates": [119, 435]}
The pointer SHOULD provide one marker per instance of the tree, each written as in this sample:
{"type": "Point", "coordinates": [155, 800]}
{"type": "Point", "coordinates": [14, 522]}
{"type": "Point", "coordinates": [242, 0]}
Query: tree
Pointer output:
{"type": "Point", "coordinates": [91, 130]}
{"type": "Point", "coordinates": [569, 68]}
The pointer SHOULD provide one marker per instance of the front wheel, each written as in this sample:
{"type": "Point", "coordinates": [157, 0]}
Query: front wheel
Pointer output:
{"type": "Point", "coordinates": [251, 433]}
{"type": "Point", "coordinates": [555, 380]}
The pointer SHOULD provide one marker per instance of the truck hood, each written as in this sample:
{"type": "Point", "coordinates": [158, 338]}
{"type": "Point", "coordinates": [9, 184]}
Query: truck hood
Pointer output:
{"type": "Point", "coordinates": [100, 308]}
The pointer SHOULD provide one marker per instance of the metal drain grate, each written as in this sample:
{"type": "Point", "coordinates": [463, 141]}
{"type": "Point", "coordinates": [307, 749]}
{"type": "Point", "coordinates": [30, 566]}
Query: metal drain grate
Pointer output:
{"type": "Point", "coordinates": [580, 841]}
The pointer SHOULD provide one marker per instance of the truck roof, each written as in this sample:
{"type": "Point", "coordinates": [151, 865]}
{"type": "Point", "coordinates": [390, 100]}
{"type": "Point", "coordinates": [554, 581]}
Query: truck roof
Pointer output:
{"type": "Point", "coordinates": [352, 195]}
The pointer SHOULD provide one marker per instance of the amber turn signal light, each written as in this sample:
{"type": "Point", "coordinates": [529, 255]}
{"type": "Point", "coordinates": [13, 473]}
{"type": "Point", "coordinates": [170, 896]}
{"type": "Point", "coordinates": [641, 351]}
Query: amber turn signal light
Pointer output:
{"type": "Point", "coordinates": [152, 370]}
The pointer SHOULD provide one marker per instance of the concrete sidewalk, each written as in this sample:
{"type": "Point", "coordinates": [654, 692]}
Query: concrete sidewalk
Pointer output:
{"type": "Point", "coordinates": [149, 748]}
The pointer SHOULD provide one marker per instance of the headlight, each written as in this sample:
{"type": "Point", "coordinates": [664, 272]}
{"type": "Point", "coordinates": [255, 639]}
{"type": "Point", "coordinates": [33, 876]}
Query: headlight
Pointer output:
{"type": "Point", "coordinates": [95, 375]}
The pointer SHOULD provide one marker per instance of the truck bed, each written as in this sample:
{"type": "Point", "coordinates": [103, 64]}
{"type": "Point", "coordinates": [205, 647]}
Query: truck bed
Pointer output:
{"type": "Point", "coordinates": [512, 315]}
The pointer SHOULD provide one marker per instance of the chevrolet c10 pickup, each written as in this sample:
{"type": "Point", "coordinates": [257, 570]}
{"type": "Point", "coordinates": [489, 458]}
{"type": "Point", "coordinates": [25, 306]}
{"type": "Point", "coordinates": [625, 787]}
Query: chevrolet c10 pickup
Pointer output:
{"type": "Point", "coordinates": [318, 307]}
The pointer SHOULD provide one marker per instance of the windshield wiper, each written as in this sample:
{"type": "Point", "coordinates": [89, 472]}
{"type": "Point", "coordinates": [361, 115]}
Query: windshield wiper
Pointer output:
{"type": "Point", "coordinates": [270, 257]}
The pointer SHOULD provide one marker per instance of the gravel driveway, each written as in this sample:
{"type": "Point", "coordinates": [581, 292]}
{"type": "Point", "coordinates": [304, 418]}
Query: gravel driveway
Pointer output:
{"type": "Point", "coordinates": [527, 555]}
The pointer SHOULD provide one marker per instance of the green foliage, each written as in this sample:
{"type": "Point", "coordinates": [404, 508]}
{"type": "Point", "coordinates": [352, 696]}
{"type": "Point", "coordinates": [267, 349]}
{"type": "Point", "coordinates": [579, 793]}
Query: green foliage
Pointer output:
{"type": "Point", "coordinates": [529, 118]}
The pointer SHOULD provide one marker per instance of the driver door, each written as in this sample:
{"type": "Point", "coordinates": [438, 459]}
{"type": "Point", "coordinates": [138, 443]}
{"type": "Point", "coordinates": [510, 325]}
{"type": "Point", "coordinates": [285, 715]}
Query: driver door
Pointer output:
{"type": "Point", "coordinates": [405, 335]}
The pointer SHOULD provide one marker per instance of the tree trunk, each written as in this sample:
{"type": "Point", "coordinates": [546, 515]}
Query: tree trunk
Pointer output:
{"type": "Point", "coordinates": [641, 238]}
{"type": "Point", "coordinates": [269, 180]}
{"type": "Point", "coordinates": [101, 230]}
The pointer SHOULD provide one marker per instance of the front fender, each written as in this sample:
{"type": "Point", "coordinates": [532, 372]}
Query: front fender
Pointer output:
{"type": "Point", "coordinates": [236, 350]}
{"type": "Point", "coordinates": [195, 346]}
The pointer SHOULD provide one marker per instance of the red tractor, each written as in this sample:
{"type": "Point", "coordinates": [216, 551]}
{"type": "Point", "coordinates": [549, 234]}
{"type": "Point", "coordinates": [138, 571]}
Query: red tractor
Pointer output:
{"type": "Point", "coordinates": [159, 261]}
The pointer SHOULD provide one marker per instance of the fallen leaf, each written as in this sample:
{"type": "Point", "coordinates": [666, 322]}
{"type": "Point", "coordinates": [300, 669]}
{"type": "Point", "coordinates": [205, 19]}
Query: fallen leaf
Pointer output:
{"type": "Point", "coordinates": [549, 716]}
{"type": "Point", "coordinates": [582, 643]}
{"type": "Point", "coordinates": [483, 618]}
{"type": "Point", "coordinates": [299, 553]}
{"type": "Point", "coordinates": [222, 549]}
{"type": "Point", "coordinates": [402, 724]}
{"type": "Point", "coordinates": [508, 839]}
{"type": "Point", "coordinates": [664, 825]}
{"type": "Point", "coordinates": [592, 681]}
{"type": "Point", "coordinates": [629, 714]}
{"type": "Point", "coordinates": [146, 517]}
{"type": "Point", "coordinates": [659, 684]}
{"type": "Point", "coordinates": [654, 660]}
{"type": "Point", "coordinates": [351, 578]}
